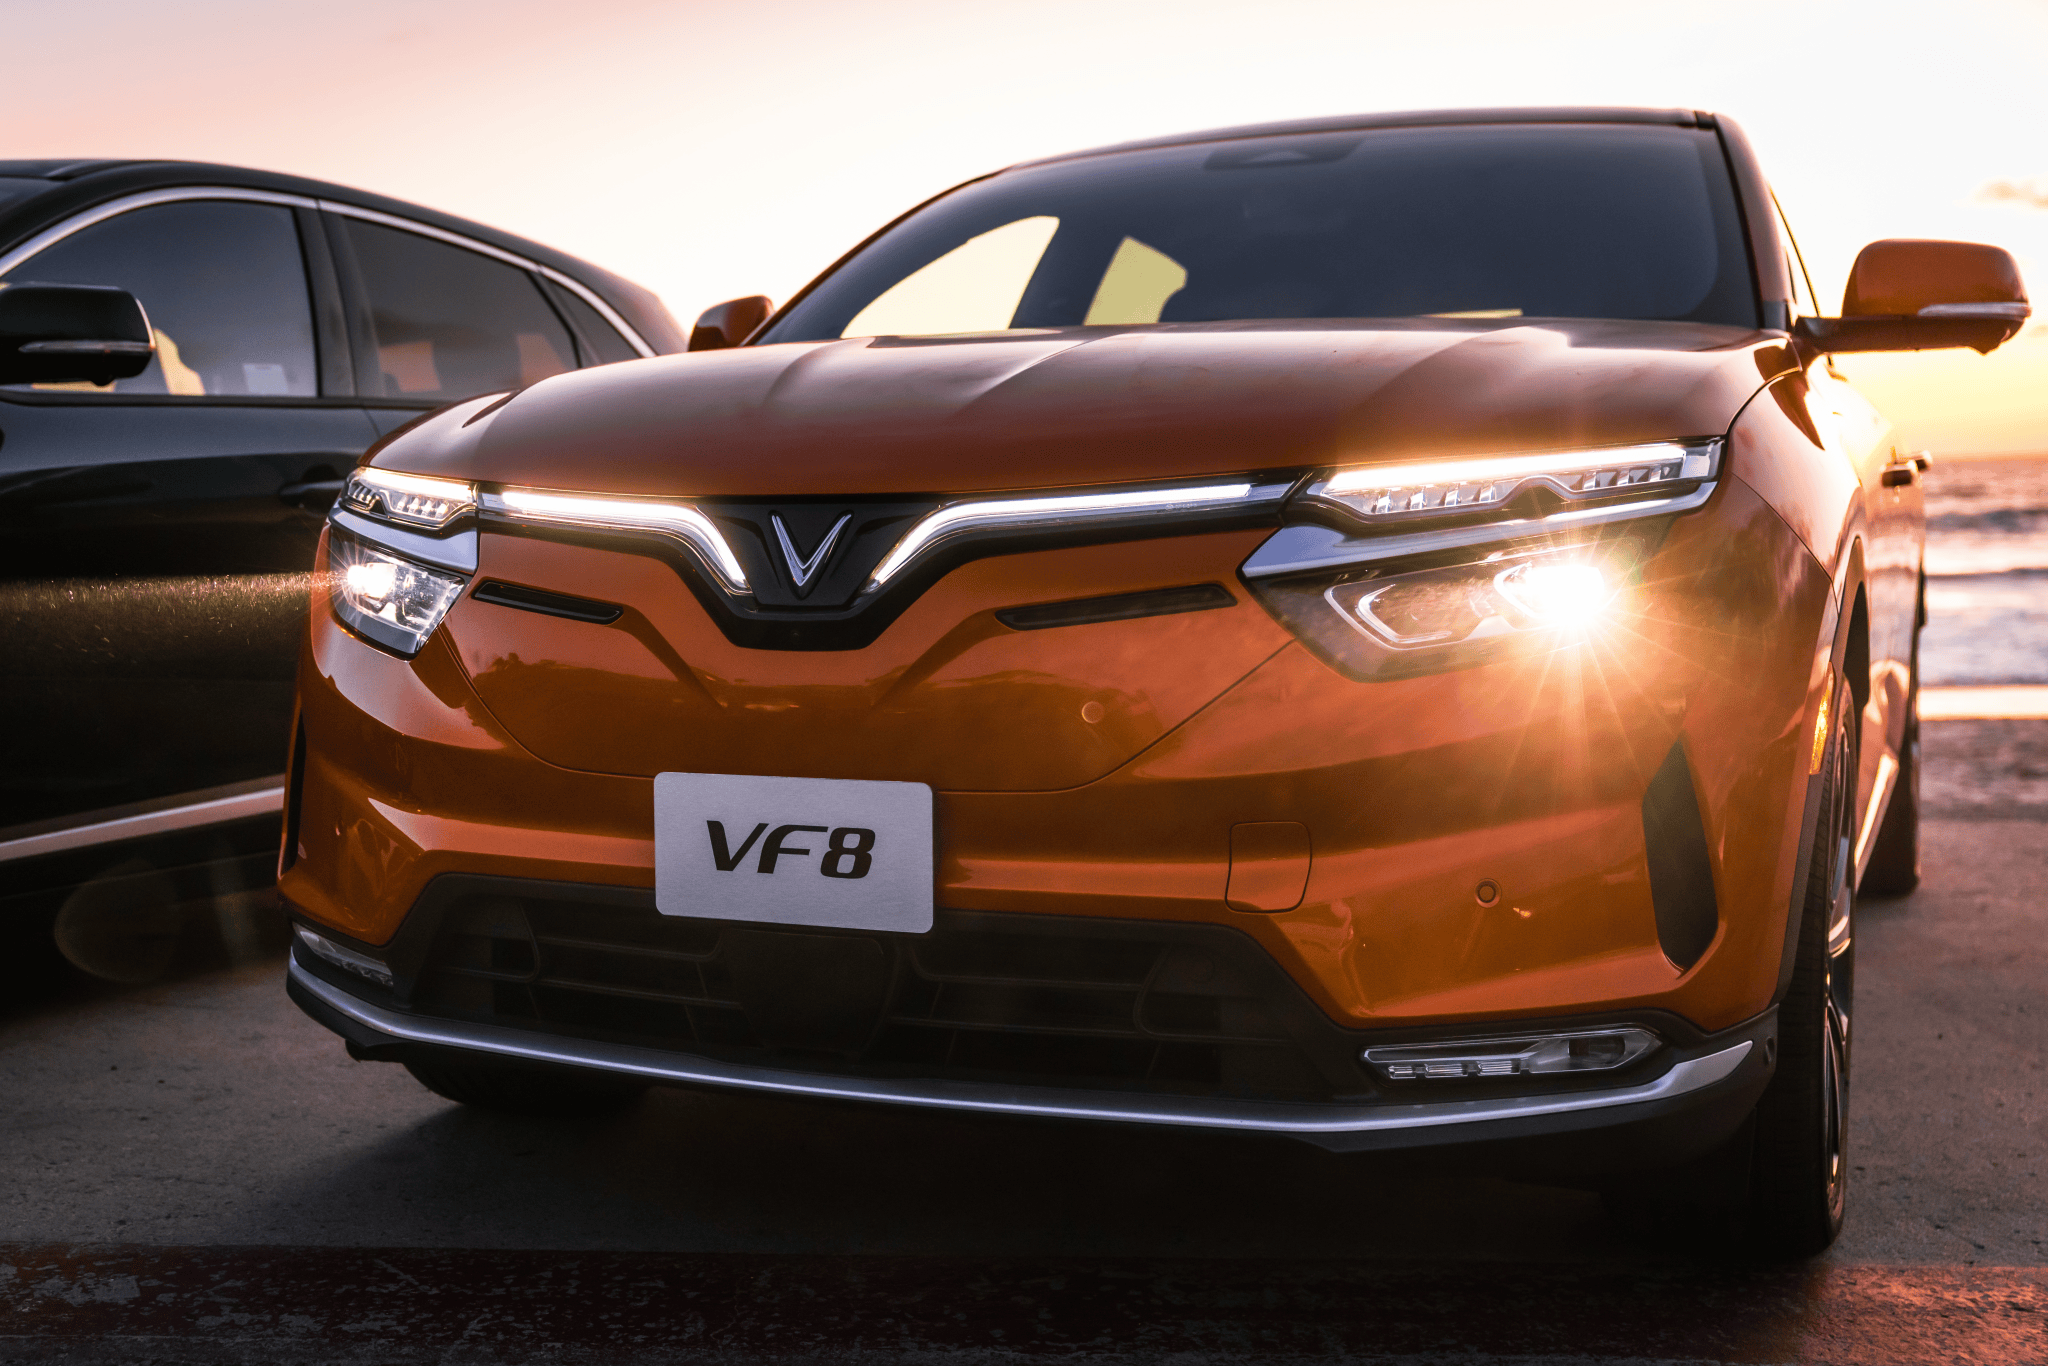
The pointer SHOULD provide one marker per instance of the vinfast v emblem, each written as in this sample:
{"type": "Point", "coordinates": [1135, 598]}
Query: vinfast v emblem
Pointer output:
{"type": "Point", "coordinates": [802, 570]}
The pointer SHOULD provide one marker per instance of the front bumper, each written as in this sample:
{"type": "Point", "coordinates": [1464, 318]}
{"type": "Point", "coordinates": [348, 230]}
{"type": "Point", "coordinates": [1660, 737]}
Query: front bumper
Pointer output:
{"type": "Point", "coordinates": [1185, 1025]}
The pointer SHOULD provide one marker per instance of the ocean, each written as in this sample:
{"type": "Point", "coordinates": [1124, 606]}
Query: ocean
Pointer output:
{"type": "Point", "coordinates": [1987, 573]}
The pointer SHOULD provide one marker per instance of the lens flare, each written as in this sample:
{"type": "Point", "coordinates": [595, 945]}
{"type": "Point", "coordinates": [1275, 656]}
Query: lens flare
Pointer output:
{"type": "Point", "coordinates": [371, 580]}
{"type": "Point", "coordinates": [1568, 594]}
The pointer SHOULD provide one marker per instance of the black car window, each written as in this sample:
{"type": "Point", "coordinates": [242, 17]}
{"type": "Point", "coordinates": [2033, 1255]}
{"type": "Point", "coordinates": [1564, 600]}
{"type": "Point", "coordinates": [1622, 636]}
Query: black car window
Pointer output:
{"type": "Point", "coordinates": [1487, 221]}
{"type": "Point", "coordinates": [223, 283]}
{"type": "Point", "coordinates": [453, 323]}
{"type": "Point", "coordinates": [597, 339]}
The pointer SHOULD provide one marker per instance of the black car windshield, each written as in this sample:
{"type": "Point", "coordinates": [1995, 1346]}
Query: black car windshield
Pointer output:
{"type": "Point", "coordinates": [1474, 221]}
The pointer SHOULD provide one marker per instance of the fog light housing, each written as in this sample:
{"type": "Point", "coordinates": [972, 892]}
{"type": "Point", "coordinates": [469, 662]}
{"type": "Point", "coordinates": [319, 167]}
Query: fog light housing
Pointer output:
{"type": "Point", "coordinates": [347, 959]}
{"type": "Point", "coordinates": [1524, 1055]}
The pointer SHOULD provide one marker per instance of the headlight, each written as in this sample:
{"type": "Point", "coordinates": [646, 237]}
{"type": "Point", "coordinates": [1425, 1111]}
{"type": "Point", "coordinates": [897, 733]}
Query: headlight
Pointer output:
{"type": "Point", "coordinates": [385, 598]}
{"type": "Point", "coordinates": [413, 499]}
{"type": "Point", "coordinates": [1564, 590]}
{"type": "Point", "coordinates": [1400, 620]}
{"type": "Point", "coordinates": [1388, 624]}
{"type": "Point", "coordinates": [1397, 570]}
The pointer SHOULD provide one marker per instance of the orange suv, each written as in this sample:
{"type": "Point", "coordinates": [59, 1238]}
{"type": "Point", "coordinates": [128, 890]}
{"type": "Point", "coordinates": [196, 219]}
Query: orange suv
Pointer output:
{"type": "Point", "coordinates": [1386, 631]}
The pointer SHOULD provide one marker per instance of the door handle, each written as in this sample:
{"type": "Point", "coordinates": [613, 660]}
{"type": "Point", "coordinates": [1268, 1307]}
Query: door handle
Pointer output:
{"type": "Point", "coordinates": [311, 493]}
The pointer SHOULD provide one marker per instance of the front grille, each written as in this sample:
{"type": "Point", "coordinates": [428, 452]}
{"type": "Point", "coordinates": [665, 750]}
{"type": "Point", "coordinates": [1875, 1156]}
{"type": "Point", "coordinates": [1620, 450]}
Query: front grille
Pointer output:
{"type": "Point", "coordinates": [1041, 1000]}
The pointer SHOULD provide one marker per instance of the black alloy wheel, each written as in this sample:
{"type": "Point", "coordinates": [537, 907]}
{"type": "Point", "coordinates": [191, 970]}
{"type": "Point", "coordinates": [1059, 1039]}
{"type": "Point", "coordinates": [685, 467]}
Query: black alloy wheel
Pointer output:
{"type": "Point", "coordinates": [1800, 1175]}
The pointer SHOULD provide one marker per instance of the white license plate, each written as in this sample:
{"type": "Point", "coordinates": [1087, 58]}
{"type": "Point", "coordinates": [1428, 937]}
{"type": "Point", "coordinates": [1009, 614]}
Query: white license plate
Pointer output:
{"type": "Point", "coordinates": [831, 852]}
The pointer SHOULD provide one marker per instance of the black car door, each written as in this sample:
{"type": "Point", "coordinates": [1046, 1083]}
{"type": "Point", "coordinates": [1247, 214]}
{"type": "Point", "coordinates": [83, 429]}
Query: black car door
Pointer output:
{"type": "Point", "coordinates": [156, 535]}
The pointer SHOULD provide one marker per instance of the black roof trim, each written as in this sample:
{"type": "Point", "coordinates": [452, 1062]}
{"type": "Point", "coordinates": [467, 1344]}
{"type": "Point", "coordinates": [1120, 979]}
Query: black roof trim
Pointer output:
{"type": "Point", "coordinates": [1413, 118]}
{"type": "Point", "coordinates": [57, 168]}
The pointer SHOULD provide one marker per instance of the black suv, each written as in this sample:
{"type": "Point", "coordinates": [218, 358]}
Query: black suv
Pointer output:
{"type": "Point", "coordinates": [156, 531]}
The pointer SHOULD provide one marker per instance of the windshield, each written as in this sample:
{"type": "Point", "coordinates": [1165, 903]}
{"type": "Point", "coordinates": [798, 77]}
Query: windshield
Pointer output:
{"type": "Point", "coordinates": [1485, 221]}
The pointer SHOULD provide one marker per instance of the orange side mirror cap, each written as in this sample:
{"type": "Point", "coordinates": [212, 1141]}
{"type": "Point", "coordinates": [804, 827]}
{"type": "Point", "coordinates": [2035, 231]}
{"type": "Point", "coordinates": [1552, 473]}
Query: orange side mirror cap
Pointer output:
{"type": "Point", "coordinates": [1903, 277]}
{"type": "Point", "coordinates": [1912, 295]}
{"type": "Point", "coordinates": [730, 323]}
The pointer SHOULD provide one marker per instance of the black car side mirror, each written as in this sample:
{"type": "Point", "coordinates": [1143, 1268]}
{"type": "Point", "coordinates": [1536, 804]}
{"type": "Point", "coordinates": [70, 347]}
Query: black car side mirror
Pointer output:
{"type": "Point", "coordinates": [730, 323]}
{"type": "Point", "coordinates": [51, 334]}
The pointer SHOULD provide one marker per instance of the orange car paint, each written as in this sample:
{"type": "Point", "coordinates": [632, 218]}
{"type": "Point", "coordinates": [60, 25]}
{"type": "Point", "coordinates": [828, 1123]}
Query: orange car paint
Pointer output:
{"type": "Point", "coordinates": [1452, 847]}
{"type": "Point", "coordinates": [1528, 772]}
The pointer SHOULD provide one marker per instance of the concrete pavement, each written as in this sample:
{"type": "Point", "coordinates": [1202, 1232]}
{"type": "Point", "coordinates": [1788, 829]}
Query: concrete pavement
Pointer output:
{"type": "Point", "coordinates": [208, 1115]}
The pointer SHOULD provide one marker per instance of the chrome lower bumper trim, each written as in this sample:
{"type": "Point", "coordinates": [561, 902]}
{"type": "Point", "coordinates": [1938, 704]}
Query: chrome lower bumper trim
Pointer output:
{"type": "Point", "coordinates": [210, 806]}
{"type": "Point", "coordinates": [1304, 1121]}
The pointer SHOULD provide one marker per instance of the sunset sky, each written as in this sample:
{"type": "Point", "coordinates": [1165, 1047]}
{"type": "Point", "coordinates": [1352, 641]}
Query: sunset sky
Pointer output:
{"type": "Point", "coordinates": [714, 149]}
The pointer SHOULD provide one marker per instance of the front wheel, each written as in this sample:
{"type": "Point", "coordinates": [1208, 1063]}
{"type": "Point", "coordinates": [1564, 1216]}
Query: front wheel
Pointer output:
{"type": "Point", "coordinates": [1799, 1175]}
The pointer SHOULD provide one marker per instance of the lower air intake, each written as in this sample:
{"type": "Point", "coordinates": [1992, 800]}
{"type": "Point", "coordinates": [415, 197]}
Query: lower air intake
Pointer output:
{"type": "Point", "coordinates": [1681, 874]}
{"type": "Point", "coordinates": [1039, 1000]}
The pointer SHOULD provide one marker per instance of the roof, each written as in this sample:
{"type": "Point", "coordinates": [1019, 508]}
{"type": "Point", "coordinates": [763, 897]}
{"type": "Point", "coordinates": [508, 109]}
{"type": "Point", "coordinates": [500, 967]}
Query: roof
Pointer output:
{"type": "Point", "coordinates": [1413, 118]}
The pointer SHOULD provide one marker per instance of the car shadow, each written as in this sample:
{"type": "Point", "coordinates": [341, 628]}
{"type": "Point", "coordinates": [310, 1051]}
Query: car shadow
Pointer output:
{"type": "Point", "coordinates": [701, 1171]}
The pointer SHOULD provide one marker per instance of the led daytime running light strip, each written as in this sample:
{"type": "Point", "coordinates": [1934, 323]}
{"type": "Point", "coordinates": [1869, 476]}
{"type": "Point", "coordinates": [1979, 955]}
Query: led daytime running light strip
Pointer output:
{"type": "Point", "coordinates": [416, 498]}
{"type": "Point", "coordinates": [964, 517]}
{"type": "Point", "coordinates": [1443, 485]}
{"type": "Point", "coordinates": [678, 520]}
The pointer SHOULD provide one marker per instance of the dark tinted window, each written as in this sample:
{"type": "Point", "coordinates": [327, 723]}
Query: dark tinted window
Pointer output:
{"type": "Point", "coordinates": [1599, 221]}
{"type": "Point", "coordinates": [224, 286]}
{"type": "Point", "coordinates": [452, 323]}
{"type": "Point", "coordinates": [597, 339]}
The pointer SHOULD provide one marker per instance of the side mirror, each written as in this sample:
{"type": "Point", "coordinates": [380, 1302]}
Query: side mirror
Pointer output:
{"type": "Point", "coordinates": [1907, 295]}
{"type": "Point", "coordinates": [730, 323]}
{"type": "Point", "coordinates": [52, 334]}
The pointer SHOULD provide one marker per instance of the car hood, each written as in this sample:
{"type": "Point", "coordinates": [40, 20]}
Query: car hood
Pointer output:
{"type": "Point", "coordinates": [1075, 406]}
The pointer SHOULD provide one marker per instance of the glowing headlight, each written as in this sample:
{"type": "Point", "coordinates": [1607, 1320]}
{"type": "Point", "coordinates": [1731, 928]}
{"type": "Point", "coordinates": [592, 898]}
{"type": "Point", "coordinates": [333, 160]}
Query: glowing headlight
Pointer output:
{"type": "Point", "coordinates": [1566, 593]}
{"type": "Point", "coordinates": [1556, 590]}
{"type": "Point", "coordinates": [1441, 488]}
{"type": "Point", "coordinates": [386, 598]}
{"type": "Point", "coordinates": [414, 499]}
{"type": "Point", "coordinates": [370, 581]}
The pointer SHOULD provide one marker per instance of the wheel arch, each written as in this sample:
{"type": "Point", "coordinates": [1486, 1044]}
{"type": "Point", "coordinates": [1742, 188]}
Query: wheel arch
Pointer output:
{"type": "Point", "coordinates": [1842, 641]}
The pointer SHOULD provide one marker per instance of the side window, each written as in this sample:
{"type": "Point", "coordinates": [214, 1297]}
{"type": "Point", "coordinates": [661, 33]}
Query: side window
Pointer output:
{"type": "Point", "coordinates": [1802, 284]}
{"type": "Point", "coordinates": [223, 283]}
{"type": "Point", "coordinates": [452, 323]}
{"type": "Point", "coordinates": [597, 340]}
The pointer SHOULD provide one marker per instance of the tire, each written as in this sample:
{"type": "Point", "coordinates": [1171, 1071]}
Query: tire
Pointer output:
{"type": "Point", "coordinates": [1799, 1168]}
{"type": "Point", "coordinates": [1894, 867]}
{"type": "Point", "coordinates": [524, 1089]}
